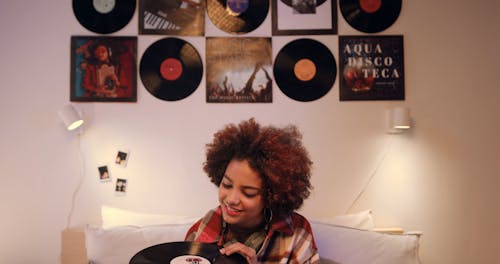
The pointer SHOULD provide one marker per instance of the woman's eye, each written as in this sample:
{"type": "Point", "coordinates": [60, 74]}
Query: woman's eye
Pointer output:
{"type": "Point", "coordinates": [226, 186]}
{"type": "Point", "coordinates": [251, 194]}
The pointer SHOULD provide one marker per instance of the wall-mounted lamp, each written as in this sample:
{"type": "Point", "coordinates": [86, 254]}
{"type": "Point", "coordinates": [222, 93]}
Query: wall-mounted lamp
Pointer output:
{"type": "Point", "coordinates": [71, 118]}
{"type": "Point", "coordinates": [397, 120]}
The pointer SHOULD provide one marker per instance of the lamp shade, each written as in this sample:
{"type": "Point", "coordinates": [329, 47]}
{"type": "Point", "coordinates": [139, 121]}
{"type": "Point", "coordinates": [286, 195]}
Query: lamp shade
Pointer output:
{"type": "Point", "coordinates": [398, 119]}
{"type": "Point", "coordinates": [70, 117]}
{"type": "Point", "coordinates": [401, 118]}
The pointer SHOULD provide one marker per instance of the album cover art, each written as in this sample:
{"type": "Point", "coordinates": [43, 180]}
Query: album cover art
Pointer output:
{"type": "Point", "coordinates": [239, 70]}
{"type": "Point", "coordinates": [172, 17]}
{"type": "Point", "coordinates": [371, 68]}
{"type": "Point", "coordinates": [304, 17]}
{"type": "Point", "coordinates": [103, 69]}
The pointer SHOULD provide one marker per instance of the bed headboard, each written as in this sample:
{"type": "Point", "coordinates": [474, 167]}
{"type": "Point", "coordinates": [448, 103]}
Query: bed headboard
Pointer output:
{"type": "Point", "coordinates": [73, 249]}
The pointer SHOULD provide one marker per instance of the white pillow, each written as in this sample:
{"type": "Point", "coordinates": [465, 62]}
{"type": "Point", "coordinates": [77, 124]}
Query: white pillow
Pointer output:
{"type": "Point", "coordinates": [118, 245]}
{"type": "Point", "coordinates": [361, 220]}
{"type": "Point", "coordinates": [354, 246]}
{"type": "Point", "coordinates": [113, 217]}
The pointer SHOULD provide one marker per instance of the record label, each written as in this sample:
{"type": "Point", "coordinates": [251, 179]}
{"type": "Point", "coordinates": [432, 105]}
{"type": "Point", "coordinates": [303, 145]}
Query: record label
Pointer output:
{"type": "Point", "coordinates": [237, 16]}
{"type": "Point", "coordinates": [370, 6]}
{"type": "Point", "coordinates": [189, 259]}
{"type": "Point", "coordinates": [184, 252]}
{"type": "Point", "coordinates": [305, 69]}
{"type": "Point", "coordinates": [104, 6]}
{"type": "Point", "coordinates": [370, 16]}
{"type": "Point", "coordinates": [104, 16]}
{"type": "Point", "coordinates": [171, 69]}
{"type": "Point", "coordinates": [236, 7]}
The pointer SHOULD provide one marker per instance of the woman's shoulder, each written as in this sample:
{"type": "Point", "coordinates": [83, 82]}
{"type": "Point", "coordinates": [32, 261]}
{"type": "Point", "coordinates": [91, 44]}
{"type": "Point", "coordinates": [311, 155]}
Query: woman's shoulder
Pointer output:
{"type": "Point", "coordinates": [298, 219]}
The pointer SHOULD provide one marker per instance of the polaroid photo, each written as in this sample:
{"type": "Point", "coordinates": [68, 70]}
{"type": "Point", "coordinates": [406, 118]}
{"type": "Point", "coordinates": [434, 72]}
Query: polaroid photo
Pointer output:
{"type": "Point", "coordinates": [104, 175]}
{"type": "Point", "coordinates": [121, 186]}
{"type": "Point", "coordinates": [122, 157]}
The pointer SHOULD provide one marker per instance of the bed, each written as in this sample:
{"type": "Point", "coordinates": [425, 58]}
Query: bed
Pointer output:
{"type": "Point", "coordinates": [349, 239]}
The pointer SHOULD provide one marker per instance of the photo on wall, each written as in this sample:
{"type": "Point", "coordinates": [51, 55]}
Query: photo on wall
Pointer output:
{"type": "Point", "coordinates": [104, 175]}
{"type": "Point", "coordinates": [371, 68]}
{"type": "Point", "coordinates": [122, 157]}
{"type": "Point", "coordinates": [103, 69]}
{"type": "Point", "coordinates": [121, 186]}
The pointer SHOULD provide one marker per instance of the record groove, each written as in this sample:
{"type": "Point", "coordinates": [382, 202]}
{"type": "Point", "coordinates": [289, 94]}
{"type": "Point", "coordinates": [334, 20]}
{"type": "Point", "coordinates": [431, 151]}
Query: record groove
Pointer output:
{"type": "Point", "coordinates": [237, 16]}
{"type": "Point", "coordinates": [104, 16]}
{"type": "Point", "coordinates": [370, 16]}
{"type": "Point", "coordinates": [171, 69]}
{"type": "Point", "coordinates": [305, 70]}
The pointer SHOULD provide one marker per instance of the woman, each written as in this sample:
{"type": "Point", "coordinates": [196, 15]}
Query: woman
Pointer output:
{"type": "Point", "coordinates": [263, 177]}
{"type": "Point", "coordinates": [101, 74]}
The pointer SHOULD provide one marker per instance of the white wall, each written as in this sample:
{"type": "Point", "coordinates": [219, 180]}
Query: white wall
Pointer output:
{"type": "Point", "coordinates": [440, 178]}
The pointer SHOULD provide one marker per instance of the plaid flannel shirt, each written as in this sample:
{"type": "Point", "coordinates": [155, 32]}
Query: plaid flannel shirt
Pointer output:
{"type": "Point", "coordinates": [289, 240]}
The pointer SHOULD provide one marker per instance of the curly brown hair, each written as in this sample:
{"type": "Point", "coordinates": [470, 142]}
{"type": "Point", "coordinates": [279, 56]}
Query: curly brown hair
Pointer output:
{"type": "Point", "coordinates": [277, 154]}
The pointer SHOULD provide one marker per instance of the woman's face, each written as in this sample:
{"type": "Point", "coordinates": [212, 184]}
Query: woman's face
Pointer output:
{"type": "Point", "coordinates": [101, 53]}
{"type": "Point", "coordinates": [240, 195]}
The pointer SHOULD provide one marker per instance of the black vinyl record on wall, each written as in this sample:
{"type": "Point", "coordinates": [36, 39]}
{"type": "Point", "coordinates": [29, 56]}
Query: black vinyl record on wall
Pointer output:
{"type": "Point", "coordinates": [370, 16]}
{"type": "Point", "coordinates": [171, 69]}
{"type": "Point", "coordinates": [237, 16]}
{"type": "Point", "coordinates": [305, 69]}
{"type": "Point", "coordinates": [104, 16]}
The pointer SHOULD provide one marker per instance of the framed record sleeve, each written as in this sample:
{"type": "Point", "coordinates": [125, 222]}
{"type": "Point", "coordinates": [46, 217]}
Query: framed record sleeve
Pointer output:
{"type": "Point", "coordinates": [103, 69]}
{"type": "Point", "coordinates": [172, 17]}
{"type": "Point", "coordinates": [371, 68]}
{"type": "Point", "coordinates": [304, 17]}
{"type": "Point", "coordinates": [239, 70]}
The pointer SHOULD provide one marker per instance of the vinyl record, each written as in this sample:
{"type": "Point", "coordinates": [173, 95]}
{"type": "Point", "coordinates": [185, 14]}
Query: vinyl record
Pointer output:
{"type": "Point", "coordinates": [104, 16]}
{"type": "Point", "coordinates": [305, 70]}
{"type": "Point", "coordinates": [171, 69]}
{"type": "Point", "coordinates": [237, 16]}
{"type": "Point", "coordinates": [370, 16]}
{"type": "Point", "coordinates": [184, 252]}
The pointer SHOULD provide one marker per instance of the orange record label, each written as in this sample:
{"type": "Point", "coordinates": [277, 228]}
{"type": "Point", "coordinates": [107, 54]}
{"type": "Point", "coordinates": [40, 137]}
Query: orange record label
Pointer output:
{"type": "Point", "coordinates": [171, 69]}
{"type": "Point", "coordinates": [370, 6]}
{"type": "Point", "coordinates": [304, 69]}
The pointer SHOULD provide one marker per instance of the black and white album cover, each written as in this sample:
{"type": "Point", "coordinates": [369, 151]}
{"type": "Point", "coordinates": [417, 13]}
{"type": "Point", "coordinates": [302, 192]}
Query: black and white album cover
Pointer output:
{"type": "Point", "coordinates": [172, 17]}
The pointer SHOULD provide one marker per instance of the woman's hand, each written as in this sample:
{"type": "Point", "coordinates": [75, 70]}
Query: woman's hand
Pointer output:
{"type": "Point", "coordinates": [248, 253]}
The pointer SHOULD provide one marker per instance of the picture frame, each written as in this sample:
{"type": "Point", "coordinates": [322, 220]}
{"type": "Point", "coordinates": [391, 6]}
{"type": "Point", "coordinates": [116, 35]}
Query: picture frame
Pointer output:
{"type": "Point", "coordinates": [290, 18]}
{"type": "Point", "coordinates": [161, 17]}
{"type": "Point", "coordinates": [371, 67]}
{"type": "Point", "coordinates": [103, 69]}
{"type": "Point", "coordinates": [239, 70]}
